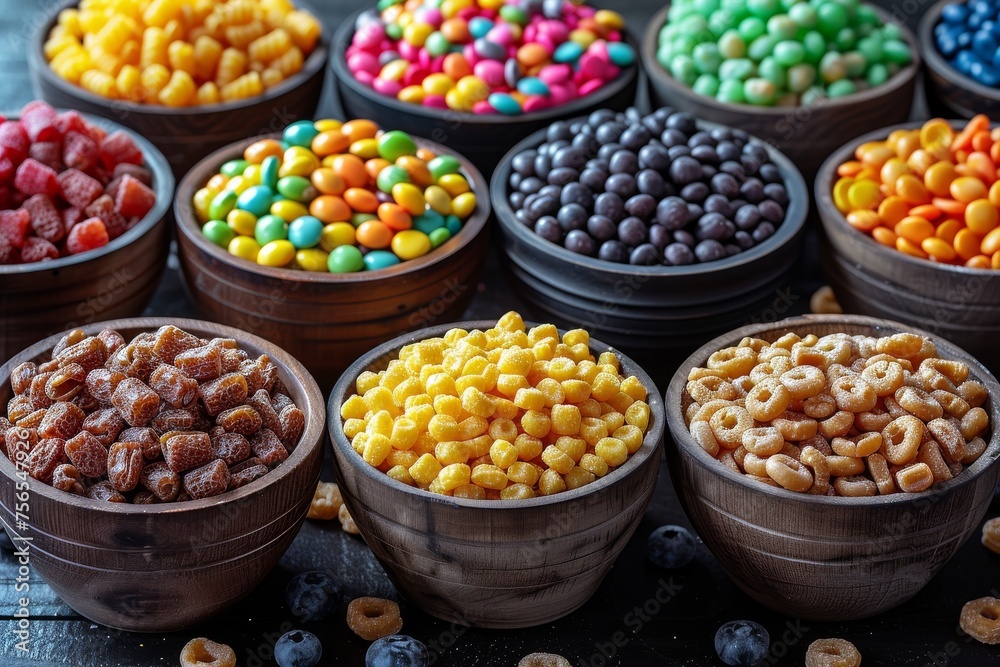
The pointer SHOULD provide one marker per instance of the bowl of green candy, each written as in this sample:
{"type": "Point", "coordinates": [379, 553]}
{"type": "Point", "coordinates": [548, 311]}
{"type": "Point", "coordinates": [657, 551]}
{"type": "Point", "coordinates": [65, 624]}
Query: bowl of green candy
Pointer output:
{"type": "Point", "coordinates": [801, 75]}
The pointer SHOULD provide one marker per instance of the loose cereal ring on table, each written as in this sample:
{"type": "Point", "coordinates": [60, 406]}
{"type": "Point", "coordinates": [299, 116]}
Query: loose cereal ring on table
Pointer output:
{"type": "Point", "coordinates": [373, 618]}
{"type": "Point", "coordinates": [833, 652]}
{"type": "Point", "coordinates": [981, 620]}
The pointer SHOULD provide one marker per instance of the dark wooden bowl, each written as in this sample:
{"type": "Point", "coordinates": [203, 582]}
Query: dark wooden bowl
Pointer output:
{"type": "Point", "coordinates": [960, 304]}
{"type": "Point", "coordinates": [949, 91]}
{"type": "Point", "coordinates": [805, 134]}
{"type": "Point", "coordinates": [159, 568]}
{"type": "Point", "coordinates": [328, 320]}
{"type": "Point", "coordinates": [827, 558]}
{"type": "Point", "coordinates": [494, 564]}
{"type": "Point", "coordinates": [482, 138]}
{"type": "Point", "coordinates": [117, 280]}
{"type": "Point", "coordinates": [186, 134]}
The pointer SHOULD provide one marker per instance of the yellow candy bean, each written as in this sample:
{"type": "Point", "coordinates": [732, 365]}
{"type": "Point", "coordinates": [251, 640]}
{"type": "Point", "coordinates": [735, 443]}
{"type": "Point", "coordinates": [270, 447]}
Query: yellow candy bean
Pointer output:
{"type": "Point", "coordinates": [336, 234]}
{"type": "Point", "coordinates": [288, 210]}
{"type": "Point", "coordinates": [411, 95]}
{"type": "Point", "coordinates": [438, 199]}
{"type": "Point", "coordinates": [463, 205]}
{"type": "Point", "coordinates": [276, 253]}
{"type": "Point", "coordinates": [245, 247]}
{"type": "Point", "coordinates": [300, 165]}
{"type": "Point", "coordinates": [437, 84]}
{"type": "Point", "coordinates": [454, 184]}
{"type": "Point", "coordinates": [327, 124]}
{"type": "Point", "coordinates": [410, 244]}
{"type": "Point", "coordinates": [366, 149]}
{"type": "Point", "coordinates": [311, 259]}
{"type": "Point", "coordinates": [241, 222]}
{"type": "Point", "coordinates": [409, 197]}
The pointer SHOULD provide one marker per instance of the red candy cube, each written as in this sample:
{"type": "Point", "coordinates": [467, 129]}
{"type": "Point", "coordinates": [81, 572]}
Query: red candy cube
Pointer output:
{"type": "Point", "coordinates": [79, 189]}
{"type": "Point", "coordinates": [14, 227]}
{"type": "Point", "coordinates": [34, 178]}
{"type": "Point", "coordinates": [39, 121]}
{"type": "Point", "coordinates": [45, 218]}
{"type": "Point", "coordinates": [132, 198]}
{"type": "Point", "coordinates": [118, 147]}
{"type": "Point", "coordinates": [87, 235]}
{"type": "Point", "coordinates": [36, 249]}
{"type": "Point", "coordinates": [79, 151]}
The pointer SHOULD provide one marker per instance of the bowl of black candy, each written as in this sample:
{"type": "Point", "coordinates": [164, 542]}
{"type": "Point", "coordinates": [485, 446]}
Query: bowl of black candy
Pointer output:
{"type": "Point", "coordinates": [656, 230]}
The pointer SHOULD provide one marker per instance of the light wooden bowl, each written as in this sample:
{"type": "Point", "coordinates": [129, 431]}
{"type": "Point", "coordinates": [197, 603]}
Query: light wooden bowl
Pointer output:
{"type": "Point", "coordinates": [805, 134]}
{"type": "Point", "coordinates": [159, 568]}
{"type": "Point", "coordinates": [827, 558]}
{"type": "Point", "coordinates": [950, 92]}
{"type": "Point", "coordinates": [117, 280]}
{"type": "Point", "coordinates": [494, 564]}
{"type": "Point", "coordinates": [328, 320]}
{"type": "Point", "coordinates": [482, 138]}
{"type": "Point", "coordinates": [960, 304]}
{"type": "Point", "coordinates": [186, 134]}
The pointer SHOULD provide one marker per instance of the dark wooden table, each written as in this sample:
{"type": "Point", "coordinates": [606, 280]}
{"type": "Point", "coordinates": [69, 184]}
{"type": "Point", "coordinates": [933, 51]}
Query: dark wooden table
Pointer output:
{"type": "Point", "coordinates": [623, 624]}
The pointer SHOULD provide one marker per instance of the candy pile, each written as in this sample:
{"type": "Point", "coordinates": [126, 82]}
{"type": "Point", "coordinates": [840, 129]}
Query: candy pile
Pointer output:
{"type": "Point", "coordinates": [66, 186]}
{"type": "Point", "coordinates": [167, 417]}
{"type": "Point", "coordinates": [651, 189]}
{"type": "Point", "coordinates": [969, 37]}
{"type": "Point", "coordinates": [931, 192]}
{"type": "Point", "coordinates": [337, 197]}
{"type": "Point", "coordinates": [787, 53]}
{"type": "Point", "coordinates": [498, 414]}
{"type": "Point", "coordinates": [180, 53]}
{"type": "Point", "coordinates": [488, 56]}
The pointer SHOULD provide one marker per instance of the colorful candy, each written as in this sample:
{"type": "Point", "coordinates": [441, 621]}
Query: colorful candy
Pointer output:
{"type": "Point", "coordinates": [767, 53]}
{"type": "Point", "coordinates": [931, 192]}
{"type": "Point", "coordinates": [969, 37]}
{"type": "Point", "coordinates": [488, 56]}
{"type": "Point", "coordinates": [337, 197]}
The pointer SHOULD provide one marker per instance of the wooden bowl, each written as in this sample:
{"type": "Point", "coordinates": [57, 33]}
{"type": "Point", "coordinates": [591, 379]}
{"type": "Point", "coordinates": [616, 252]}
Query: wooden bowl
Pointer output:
{"type": "Point", "coordinates": [482, 138]}
{"type": "Point", "coordinates": [186, 134]}
{"type": "Point", "coordinates": [960, 304]}
{"type": "Point", "coordinates": [502, 563]}
{"type": "Point", "coordinates": [949, 92]}
{"type": "Point", "coordinates": [159, 568]}
{"type": "Point", "coordinates": [649, 307]}
{"type": "Point", "coordinates": [328, 320]}
{"type": "Point", "coordinates": [805, 134]}
{"type": "Point", "coordinates": [827, 558]}
{"type": "Point", "coordinates": [117, 280]}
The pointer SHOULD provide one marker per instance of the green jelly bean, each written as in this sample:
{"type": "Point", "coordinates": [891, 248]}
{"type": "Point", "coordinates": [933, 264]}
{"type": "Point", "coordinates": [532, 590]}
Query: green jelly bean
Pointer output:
{"type": "Point", "coordinates": [439, 236]}
{"type": "Point", "coordinates": [233, 168]}
{"type": "Point", "coordinates": [813, 97]}
{"type": "Point", "coordinates": [877, 74]}
{"type": "Point", "coordinates": [866, 16]}
{"type": "Point", "coordinates": [664, 55]}
{"type": "Point", "coordinates": [855, 64]}
{"type": "Point", "coordinates": [800, 77]}
{"type": "Point", "coordinates": [443, 165]}
{"type": "Point", "coordinates": [751, 28]}
{"type": "Point", "coordinates": [804, 16]}
{"type": "Point", "coordinates": [787, 4]}
{"type": "Point", "coordinates": [270, 228]}
{"type": "Point", "coordinates": [759, 91]}
{"type": "Point", "coordinates": [731, 45]}
{"type": "Point", "coordinates": [386, 4]}
{"type": "Point", "coordinates": [683, 69]}
{"type": "Point", "coordinates": [269, 171]}
{"type": "Point", "coordinates": [814, 44]}
{"type": "Point", "coordinates": [841, 88]}
{"type": "Point", "coordinates": [706, 7]}
{"type": "Point", "coordinates": [393, 31]}
{"type": "Point", "coordinates": [770, 69]}
{"type": "Point", "coordinates": [693, 25]}
{"type": "Point", "coordinates": [832, 18]}
{"type": "Point", "coordinates": [850, 5]}
{"type": "Point", "coordinates": [831, 67]}
{"type": "Point", "coordinates": [513, 14]}
{"type": "Point", "coordinates": [395, 144]}
{"type": "Point", "coordinates": [300, 133]}
{"type": "Point", "coordinates": [871, 48]}
{"type": "Point", "coordinates": [437, 44]}
{"type": "Point", "coordinates": [358, 218]}
{"type": "Point", "coordinates": [218, 232]}
{"type": "Point", "coordinates": [390, 176]}
{"type": "Point", "coordinates": [737, 69]}
{"type": "Point", "coordinates": [707, 58]}
{"type": "Point", "coordinates": [846, 40]}
{"type": "Point", "coordinates": [222, 204]}
{"type": "Point", "coordinates": [345, 259]}
{"type": "Point", "coordinates": [707, 85]}
{"type": "Point", "coordinates": [788, 53]}
{"type": "Point", "coordinates": [684, 44]}
{"type": "Point", "coordinates": [761, 47]}
{"type": "Point", "coordinates": [298, 188]}
{"type": "Point", "coordinates": [453, 224]}
{"type": "Point", "coordinates": [897, 52]}
{"type": "Point", "coordinates": [731, 91]}
{"type": "Point", "coordinates": [763, 9]}
{"type": "Point", "coordinates": [782, 27]}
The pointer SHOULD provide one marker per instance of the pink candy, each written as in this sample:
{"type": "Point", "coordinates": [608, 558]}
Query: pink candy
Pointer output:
{"type": "Point", "coordinates": [489, 71]}
{"type": "Point", "coordinates": [553, 74]}
{"type": "Point", "coordinates": [362, 61]}
{"type": "Point", "coordinates": [387, 86]}
{"type": "Point", "coordinates": [436, 101]}
{"type": "Point", "coordinates": [369, 35]}
{"type": "Point", "coordinates": [482, 106]}
{"type": "Point", "coordinates": [590, 86]}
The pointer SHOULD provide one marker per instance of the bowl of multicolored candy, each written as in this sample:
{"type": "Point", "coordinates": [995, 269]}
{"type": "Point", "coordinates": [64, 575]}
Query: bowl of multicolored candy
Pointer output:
{"type": "Point", "coordinates": [960, 42]}
{"type": "Point", "coordinates": [177, 72]}
{"type": "Point", "coordinates": [332, 237]}
{"type": "Point", "coordinates": [800, 75]}
{"type": "Point", "coordinates": [480, 75]}
{"type": "Point", "coordinates": [83, 222]}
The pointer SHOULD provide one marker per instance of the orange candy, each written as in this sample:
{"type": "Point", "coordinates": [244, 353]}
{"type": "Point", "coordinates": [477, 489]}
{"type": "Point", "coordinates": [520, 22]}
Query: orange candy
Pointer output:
{"type": "Point", "coordinates": [351, 169]}
{"type": "Point", "coordinates": [329, 143]}
{"type": "Point", "coordinates": [417, 170]}
{"type": "Point", "coordinates": [361, 200]}
{"type": "Point", "coordinates": [374, 234]}
{"type": "Point", "coordinates": [327, 181]}
{"type": "Point", "coordinates": [456, 66]}
{"type": "Point", "coordinates": [258, 150]}
{"type": "Point", "coordinates": [358, 129]}
{"type": "Point", "coordinates": [394, 216]}
{"type": "Point", "coordinates": [914, 229]}
{"type": "Point", "coordinates": [330, 208]}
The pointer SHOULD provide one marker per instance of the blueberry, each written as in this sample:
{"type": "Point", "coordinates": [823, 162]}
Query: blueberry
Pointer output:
{"type": "Point", "coordinates": [771, 211]}
{"type": "Point", "coordinates": [659, 236]}
{"type": "Point", "coordinates": [624, 162]}
{"type": "Point", "coordinates": [742, 643]}
{"type": "Point", "coordinates": [705, 154]}
{"type": "Point", "coordinates": [298, 648]}
{"type": "Point", "coordinates": [685, 169]}
{"type": "Point", "coordinates": [671, 546]}
{"type": "Point", "coordinates": [601, 227]}
{"type": "Point", "coordinates": [694, 193]}
{"type": "Point", "coordinates": [654, 156]}
{"type": "Point", "coordinates": [312, 596]}
{"type": "Point", "coordinates": [397, 651]}
{"type": "Point", "coordinates": [524, 162]}
{"type": "Point", "coordinates": [684, 122]}
{"type": "Point", "coordinates": [572, 216]}
{"type": "Point", "coordinates": [671, 137]}
{"type": "Point", "coordinates": [610, 205]}
{"type": "Point", "coordinates": [5, 542]}
{"type": "Point", "coordinates": [650, 182]}
{"type": "Point", "coordinates": [672, 213]}
{"type": "Point", "coordinates": [641, 206]}
{"type": "Point", "coordinates": [563, 176]}
{"type": "Point", "coordinates": [578, 193]}
{"type": "Point", "coordinates": [763, 232]}
{"type": "Point", "coordinates": [709, 250]}
{"type": "Point", "coordinates": [621, 184]}
{"type": "Point", "coordinates": [569, 157]}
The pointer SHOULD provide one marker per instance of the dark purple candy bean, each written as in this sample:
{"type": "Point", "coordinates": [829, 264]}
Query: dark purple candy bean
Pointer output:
{"type": "Point", "coordinates": [678, 254]}
{"type": "Point", "coordinates": [614, 251]}
{"type": "Point", "coordinates": [579, 242]}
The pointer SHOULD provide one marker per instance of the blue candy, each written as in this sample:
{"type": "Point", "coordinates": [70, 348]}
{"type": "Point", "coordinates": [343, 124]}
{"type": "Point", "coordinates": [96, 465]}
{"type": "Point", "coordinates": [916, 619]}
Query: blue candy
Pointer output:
{"type": "Point", "coordinates": [380, 259]}
{"type": "Point", "coordinates": [504, 104]}
{"type": "Point", "coordinates": [567, 52]}
{"type": "Point", "coordinates": [969, 38]}
{"type": "Point", "coordinates": [305, 232]}
{"type": "Point", "coordinates": [621, 54]}
{"type": "Point", "coordinates": [531, 85]}
{"type": "Point", "coordinates": [955, 13]}
{"type": "Point", "coordinates": [479, 26]}
{"type": "Point", "coordinates": [256, 199]}
{"type": "Point", "coordinates": [428, 221]}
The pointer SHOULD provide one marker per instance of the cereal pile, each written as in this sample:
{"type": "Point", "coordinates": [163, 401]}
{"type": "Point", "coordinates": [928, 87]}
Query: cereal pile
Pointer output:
{"type": "Point", "coordinates": [167, 417]}
{"type": "Point", "coordinates": [838, 415]}
{"type": "Point", "coordinates": [929, 192]}
{"type": "Point", "coordinates": [337, 197]}
{"type": "Point", "coordinates": [180, 54]}
{"type": "Point", "coordinates": [498, 414]}
{"type": "Point", "coordinates": [66, 185]}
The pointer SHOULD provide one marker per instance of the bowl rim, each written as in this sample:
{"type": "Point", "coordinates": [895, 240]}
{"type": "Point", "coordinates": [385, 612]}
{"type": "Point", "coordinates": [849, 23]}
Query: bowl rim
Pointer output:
{"type": "Point", "coordinates": [648, 452]}
{"type": "Point", "coordinates": [901, 79]}
{"type": "Point", "coordinates": [786, 232]}
{"type": "Point", "coordinates": [315, 410]}
{"type": "Point", "coordinates": [163, 186]}
{"type": "Point", "coordinates": [188, 226]}
{"type": "Point", "coordinates": [688, 449]}
{"type": "Point", "coordinates": [935, 61]}
{"type": "Point", "coordinates": [831, 216]}
{"type": "Point", "coordinates": [37, 62]}
{"type": "Point", "coordinates": [344, 77]}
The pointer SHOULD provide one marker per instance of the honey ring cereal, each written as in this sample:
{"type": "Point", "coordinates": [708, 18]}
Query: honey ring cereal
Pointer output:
{"type": "Point", "coordinates": [772, 368]}
{"type": "Point", "coordinates": [974, 422]}
{"type": "Point", "coordinates": [767, 400]}
{"type": "Point", "coordinates": [919, 403]}
{"type": "Point", "coordinates": [753, 464]}
{"type": "Point", "coordinates": [973, 450]}
{"type": "Point", "coordinates": [543, 660]}
{"type": "Point", "coordinates": [980, 619]}
{"type": "Point", "coordinates": [832, 652]}
{"type": "Point", "coordinates": [872, 420]}
{"type": "Point", "coordinates": [878, 468]}
{"type": "Point", "coordinates": [790, 473]}
{"type": "Point", "coordinates": [373, 618]}
{"type": "Point", "coordinates": [709, 388]}
{"type": "Point", "coordinates": [837, 425]}
{"type": "Point", "coordinates": [803, 382]}
{"type": "Point", "coordinates": [949, 437]}
{"type": "Point", "coordinates": [202, 652]}
{"type": "Point", "coordinates": [991, 535]}
{"type": "Point", "coordinates": [930, 455]}
{"type": "Point", "coordinates": [763, 441]}
{"type": "Point", "coordinates": [853, 393]}
{"type": "Point", "coordinates": [901, 439]}
{"type": "Point", "coordinates": [885, 377]}
{"type": "Point", "coordinates": [816, 461]}
{"type": "Point", "coordinates": [820, 406]}
{"type": "Point", "coordinates": [702, 434]}
{"type": "Point", "coordinates": [734, 361]}
{"type": "Point", "coordinates": [855, 486]}
{"type": "Point", "coordinates": [729, 424]}
{"type": "Point", "coordinates": [953, 404]}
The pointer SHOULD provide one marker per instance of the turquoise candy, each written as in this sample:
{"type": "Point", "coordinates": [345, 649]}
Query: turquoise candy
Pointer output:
{"type": "Point", "coordinates": [567, 52]}
{"type": "Point", "coordinates": [505, 104]}
{"type": "Point", "coordinates": [233, 168]}
{"type": "Point", "coordinates": [395, 144]}
{"type": "Point", "coordinates": [428, 222]}
{"type": "Point", "coordinates": [305, 232]}
{"type": "Point", "coordinates": [300, 133]}
{"type": "Point", "coordinates": [269, 171]}
{"type": "Point", "coordinates": [379, 259]}
{"type": "Point", "coordinates": [439, 236]}
{"type": "Point", "coordinates": [621, 54]}
{"type": "Point", "coordinates": [270, 228]}
{"type": "Point", "coordinates": [531, 85]}
{"type": "Point", "coordinates": [256, 199]}
{"type": "Point", "coordinates": [479, 26]}
{"type": "Point", "coordinates": [453, 224]}
{"type": "Point", "coordinates": [443, 165]}
{"type": "Point", "coordinates": [298, 188]}
{"type": "Point", "coordinates": [218, 232]}
{"type": "Point", "coordinates": [345, 259]}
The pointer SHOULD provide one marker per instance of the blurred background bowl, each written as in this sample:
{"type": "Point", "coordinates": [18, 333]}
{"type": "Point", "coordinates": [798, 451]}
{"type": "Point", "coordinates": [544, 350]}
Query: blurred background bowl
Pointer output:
{"type": "Point", "coordinates": [164, 567]}
{"type": "Point", "coordinates": [494, 563]}
{"type": "Point", "coordinates": [827, 558]}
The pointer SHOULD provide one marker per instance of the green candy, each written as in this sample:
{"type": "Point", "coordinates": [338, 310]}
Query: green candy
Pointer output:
{"type": "Point", "coordinates": [443, 165]}
{"type": "Point", "coordinates": [737, 69]}
{"type": "Point", "coordinates": [393, 31]}
{"type": "Point", "coordinates": [815, 46]}
{"type": "Point", "coordinates": [218, 232]}
{"type": "Point", "coordinates": [664, 54]}
{"type": "Point", "coordinates": [763, 9]}
{"type": "Point", "coordinates": [270, 228]}
{"type": "Point", "coordinates": [871, 48]}
{"type": "Point", "coordinates": [683, 68]}
{"type": "Point", "coordinates": [805, 16]}
{"type": "Point", "coordinates": [731, 91]}
{"type": "Point", "coordinates": [800, 77]}
{"type": "Point", "coordinates": [846, 39]}
{"type": "Point", "coordinates": [386, 4]}
{"type": "Point", "coordinates": [720, 21]}
{"type": "Point", "coordinates": [233, 168]}
{"type": "Point", "coordinates": [782, 27]}
{"type": "Point", "coordinates": [866, 16]}
{"type": "Point", "coordinates": [751, 28]}
{"type": "Point", "coordinates": [706, 7]}
{"type": "Point", "coordinates": [222, 204]}
{"type": "Point", "coordinates": [759, 91]}
{"type": "Point", "coordinates": [345, 259]}
{"type": "Point", "coordinates": [841, 88]}
{"type": "Point", "coordinates": [437, 44]}
{"type": "Point", "coordinates": [831, 67]}
{"type": "Point", "coordinates": [358, 218]}
{"type": "Point", "coordinates": [897, 52]}
{"type": "Point", "coordinates": [684, 44]}
{"type": "Point", "coordinates": [707, 85]}
{"type": "Point", "coordinates": [877, 74]}
{"type": "Point", "coordinates": [832, 19]}
{"type": "Point", "coordinates": [298, 188]}
{"type": "Point", "coordinates": [788, 53]}
{"type": "Point", "coordinates": [395, 144]}
{"type": "Point", "coordinates": [707, 58]}
{"type": "Point", "coordinates": [813, 97]}
{"type": "Point", "coordinates": [390, 176]}
{"type": "Point", "coordinates": [439, 236]}
{"type": "Point", "coordinates": [513, 14]}
{"type": "Point", "coordinates": [731, 45]}
{"type": "Point", "coordinates": [761, 47]}
{"type": "Point", "coordinates": [855, 64]}
{"type": "Point", "coordinates": [770, 69]}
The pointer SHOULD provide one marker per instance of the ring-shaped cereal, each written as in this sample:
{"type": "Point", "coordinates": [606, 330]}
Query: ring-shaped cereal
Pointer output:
{"type": "Point", "coordinates": [837, 425]}
{"type": "Point", "coordinates": [769, 353]}
{"type": "Point", "coordinates": [754, 465]}
{"type": "Point", "coordinates": [893, 408]}
{"type": "Point", "coordinates": [202, 652]}
{"type": "Point", "coordinates": [702, 434]}
{"type": "Point", "coordinates": [726, 458]}
{"type": "Point", "coordinates": [884, 377]}
{"type": "Point", "coordinates": [914, 478]}
{"type": "Point", "coordinates": [543, 660]}
{"type": "Point", "coordinates": [953, 404]}
{"type": "Point", "coordinates": [819, 406]}
{"type": "Point", "coordinates": [791, 474]}
{"type": "Point", "coordinates": [930, 454]}
{"type": "Point", "coordinates": [733, 361]}
{"type": "Point", "coordinates": [816, 462]}
{"type": "Point", "coordinates": [974, 422]}
{"type": "Point", "coordinates": [818, 442]}
{"type": "Point", "coordinates": [787, 341]}
{"type": "Point", "coordinates": [855, 486]}
{"type": "Point", "coordinates": [803, 382]}
{"type": "Point", "coordinates": [845, 466]}
{"type": "Point", "coordinates": [729, 424]}
{"type": "Point", "coordinates": [875, 419]}
{"type": "Point", "coordinates": [795, 426]}
{"type": "Point", "coordinates": [974, 393]}
{"type": "Point", "coordinates": [837, 371]}
{"type": "Point", "coordinates": [973, 450]}
{"type": "Point", "coordinates": [991, 535]}
{"type": "Point", "coordinates": [980, 619]}
{"type": "Point", "coordinates": [878, 468]}
{"type": "Point", "coordinates": [699, 372]}
{"type": "Point", "coordinates": [900, 345]}
{"type": "Point", "coordinates": [905, 363]}
{"type": "Point", "coordinates": [956, 371]}
{"type": "Point", "coordinates": [755, 344]}
{"type": "Point", "coordinates": [773, 368]}
{"type": "Point", "coordinates": [710, 388]}
{"type": "Point", "coordinates": [949, 437]}
{"type": "Point", "coordinates": [865, 345]}
{"type": "Point", "coordinates": [767, 400]}
{"type": "Point", "coordinates": [934, 380]}
{"type": "Point", "coordinates": [853, 393]}
{"type": "Point", "coordinates": [743, 385]}
{"type": "Point", "coordinates": [763, 441]}
{"type": "Point", "coordinates": [705, 412]}
{"type": "Point", "coordinates": [373, 618]}
{"type": "Point", "coordinates": [832, 652]}
{"type": "Point", "coordinates": [901, 439]}
{"type": "Point", "coordinates": [918, 403]}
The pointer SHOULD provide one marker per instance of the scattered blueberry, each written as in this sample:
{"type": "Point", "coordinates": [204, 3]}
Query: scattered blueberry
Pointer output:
{"type": "Point", "coordinates": [298, 648]}
{"type": "Point", "coordinates": [671, 546]}
{"type": "Point", "coordinates": [312, 596]}
{"type": "Point", "coordinates": [742, 643]}
{"type": "Point", "coordinates": [397, 651]}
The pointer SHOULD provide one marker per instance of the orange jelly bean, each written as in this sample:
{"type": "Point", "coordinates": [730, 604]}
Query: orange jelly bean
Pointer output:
{"type": "Point", "coordinates": [928, 211]}
{"type": "Point", "coordinates": [355, 130]}
{"type": "Point", "coordinates": [938, 249]}
{"type": "Point", "coordinates": [967, 189]}
{"type": "Point", "coordinates": [947, 230]}
{"type": "Point", "coordinates": [967, 244]}
{"type": "Point", "coordinates": [258, 150]}
{"type": "Point", "coordinates": [938, 178]}
{"type": "Point", "coordinates": [329, 143]}
{"type": "Point", "coordinates": [351, 169]}
{"type": "Point", "coordinates": [912, 189]}
{"type": "Point", "coordinates": [374, 234]}
{"type": "Point", "coordinates": [893, 209]}
{"type": "Point", "coordinates": [416, 169]}
{"type": "Point", "coordinates": [885, 236]}
{"type": "Point", "coordinates": [914, 229]}
{"type": "Point", "coordinates": [361, 200]}
{"type": "Point", "coordinates": [330, 208]}
{"type": "Point", "coordinates": [981, 216]}
{"type": "Point", "coordinates": [394, 216]}
{"type": "Point", "coordinates": [991, 242]}
{"type": "Point", "coordinates": [978, 262]}
{"type": "Point", "coordinates": [327, 181]}
{"type": "Point", "coordinates": [907, 247]}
